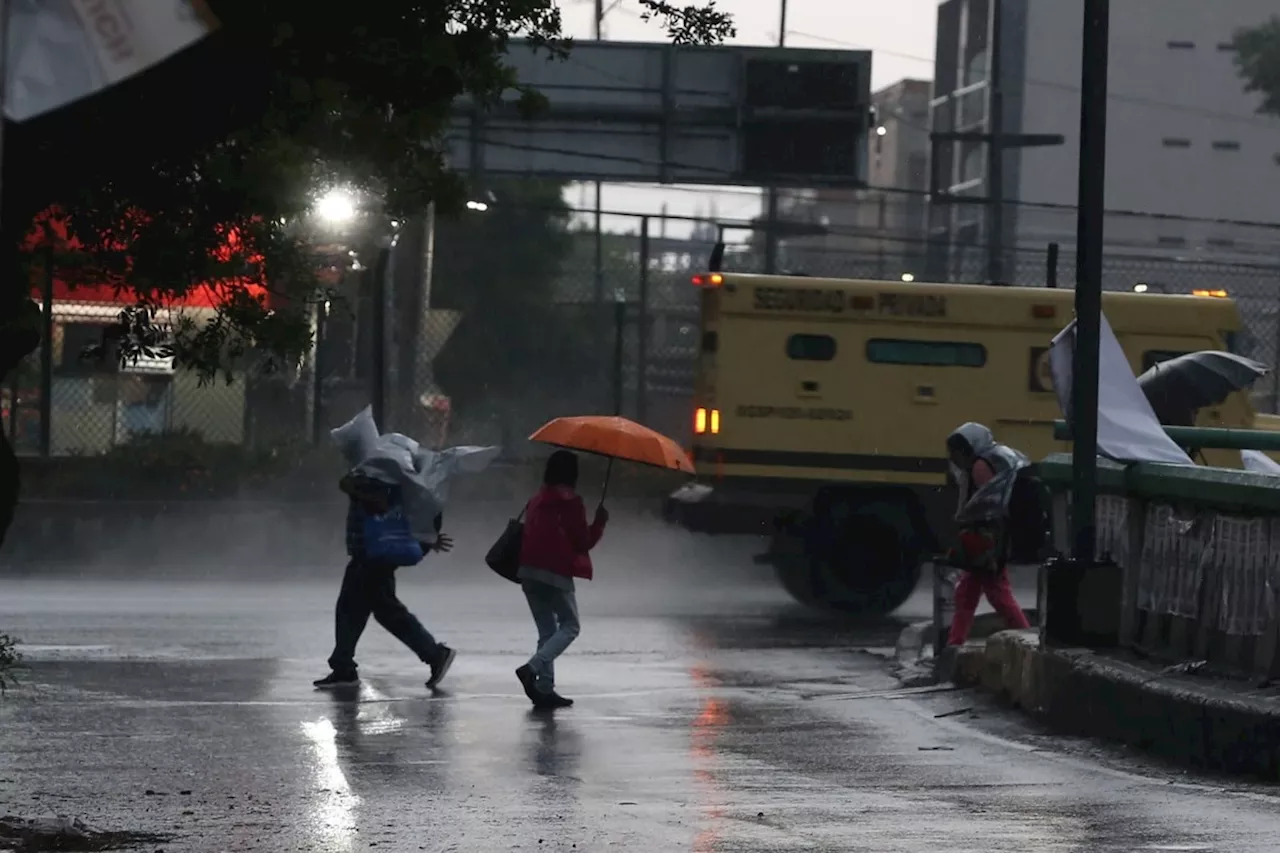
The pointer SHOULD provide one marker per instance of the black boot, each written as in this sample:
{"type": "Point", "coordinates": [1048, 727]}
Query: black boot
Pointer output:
{"type": "Point", "coordinates": [555, 700]}
{"type": "Point", "coordinates": [529, 681]}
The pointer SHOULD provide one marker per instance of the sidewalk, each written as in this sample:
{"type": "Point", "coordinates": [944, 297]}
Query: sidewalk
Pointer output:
{"type": "Point", "coordinates": [1207, 723]}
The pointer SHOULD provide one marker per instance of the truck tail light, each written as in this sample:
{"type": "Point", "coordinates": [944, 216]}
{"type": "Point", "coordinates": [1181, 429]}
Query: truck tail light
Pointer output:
{"type": "Point", "coordinates": [706, 420]}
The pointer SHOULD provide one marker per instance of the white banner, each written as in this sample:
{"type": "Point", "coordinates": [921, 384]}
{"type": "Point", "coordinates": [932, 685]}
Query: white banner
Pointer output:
{"type": "Point", "coordinates": [59, 51]}
{"type": "Point", "coordinates": [1128, 430]}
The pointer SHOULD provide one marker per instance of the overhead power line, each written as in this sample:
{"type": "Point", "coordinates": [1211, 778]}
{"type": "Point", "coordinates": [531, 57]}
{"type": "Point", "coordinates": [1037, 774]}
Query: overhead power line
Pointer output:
{"type": "Point", "coordinates": [1138, 100]}
{"type": "Point", "coordinates": [908, 239]}
{"type": "Point", "coordinates": [924, 194]}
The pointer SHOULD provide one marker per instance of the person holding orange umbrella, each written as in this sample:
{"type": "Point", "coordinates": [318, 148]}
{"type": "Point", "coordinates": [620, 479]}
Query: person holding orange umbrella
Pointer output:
{"type": "Point", "coordinates": [556, 539]}
{"type": "Point", "coordinates": [554, 551]}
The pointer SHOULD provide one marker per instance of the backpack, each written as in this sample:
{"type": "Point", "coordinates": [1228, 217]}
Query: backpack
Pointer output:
{"type": "Point", "coordinates": [1029, 519]}
{"type": "Point", "coordinates": [388, 539]}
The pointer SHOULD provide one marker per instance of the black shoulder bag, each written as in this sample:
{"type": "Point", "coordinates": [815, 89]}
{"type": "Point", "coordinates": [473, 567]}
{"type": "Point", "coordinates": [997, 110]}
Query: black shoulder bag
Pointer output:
{"type": "Point", "coordinates": [504, 556]}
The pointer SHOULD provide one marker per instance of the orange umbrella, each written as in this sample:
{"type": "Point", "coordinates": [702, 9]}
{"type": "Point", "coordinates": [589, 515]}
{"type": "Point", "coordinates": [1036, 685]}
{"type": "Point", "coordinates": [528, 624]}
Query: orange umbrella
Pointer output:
{"type": "Point", "coordinates": [616, 438]}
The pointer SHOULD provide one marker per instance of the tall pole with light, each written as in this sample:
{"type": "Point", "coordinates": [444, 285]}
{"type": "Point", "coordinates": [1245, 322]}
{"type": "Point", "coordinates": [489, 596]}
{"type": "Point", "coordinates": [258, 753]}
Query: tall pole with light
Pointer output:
{"type": "Point", "coordinates": [333, 211]}
{"type": "Point", "coordinates": [1088, 296]}
{"type": "Point", "coordinates": [598, 247]}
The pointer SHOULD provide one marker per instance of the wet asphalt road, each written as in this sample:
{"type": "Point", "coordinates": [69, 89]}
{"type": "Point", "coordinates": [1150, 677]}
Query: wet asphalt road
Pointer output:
{"type": "Point", "coordinates": [711, 716]}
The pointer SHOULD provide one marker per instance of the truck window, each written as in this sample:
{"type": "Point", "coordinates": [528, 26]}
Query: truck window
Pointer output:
{"type": "Point", "coordinates": [930, 353]}
{"type": "Point", "coordinates": [811, 347]}
{"type": "Point", "coordinates": [1152, 357]}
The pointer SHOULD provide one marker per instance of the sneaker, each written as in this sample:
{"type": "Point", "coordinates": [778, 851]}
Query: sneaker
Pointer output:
{"type": "Point", "coordinates": [440, 666]}
{"type": "Point", "coordinates": [337, 679]}
{"type": "Point", "coordinates": [529, 681]}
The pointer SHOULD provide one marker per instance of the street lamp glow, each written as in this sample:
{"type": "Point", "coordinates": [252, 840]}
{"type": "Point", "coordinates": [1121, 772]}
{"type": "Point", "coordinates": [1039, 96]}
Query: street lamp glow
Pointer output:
{"type": "Point", "coordinates": [336, 207]}
{"type": "Point", "coordinates": [1140, 288]}
{"type": "Point", "coordinates": [479, 206]}
{"type": "Point", "coordinates": [881, 130]}
{"type": "Point", "coordinates": [906, 276]}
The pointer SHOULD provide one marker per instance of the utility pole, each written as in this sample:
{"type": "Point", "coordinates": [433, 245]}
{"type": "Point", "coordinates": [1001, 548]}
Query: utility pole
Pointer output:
{"type": "Point", "coordinates": [599, 218]}
{"type": "Point", "coordinates": [771, 216]}
{"type": "Point", "coordinates": [1089, 239]}
{"type": "Point", "coordinates": [995, 148]}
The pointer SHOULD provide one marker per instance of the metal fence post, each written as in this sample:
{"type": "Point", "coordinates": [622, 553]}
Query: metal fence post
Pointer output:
{"type": "Point", "coordinates": [1051, 266]}
{"type": "Point", "coordinates": [1275, 360]}
{"type": "Point", "coordinates": [598, 279]}
{"type": "Point", "coordinates": [771, 234]}
{"type": "Point", "coordinates": [317, 374]}
{"type": "Point", "coordinates": [378, 346]}
{"type": "Point", "coordinates": [46, 355]}
{"type": "Point", "coordinates": [642, 325]}
{"type": "Point", "coordinates": [619, 328]}
{"type": "Point", "coordinates": [944, 604]}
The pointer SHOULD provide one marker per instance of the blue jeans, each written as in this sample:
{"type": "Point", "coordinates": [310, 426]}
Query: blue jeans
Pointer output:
{"type": "Point", "coordinates": [555, 612]}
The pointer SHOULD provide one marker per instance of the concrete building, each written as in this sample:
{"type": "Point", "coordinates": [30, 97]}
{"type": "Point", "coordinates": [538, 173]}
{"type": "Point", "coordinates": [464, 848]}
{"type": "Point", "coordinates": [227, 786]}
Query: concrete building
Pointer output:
{"type": "Point", "coordinates": [874, 233]}
{"type": "Point", "coordinates": [1184, 139]}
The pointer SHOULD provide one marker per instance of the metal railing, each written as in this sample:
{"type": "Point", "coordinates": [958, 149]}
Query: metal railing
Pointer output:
{"type": "Point", "coordinates": [1197, 550]}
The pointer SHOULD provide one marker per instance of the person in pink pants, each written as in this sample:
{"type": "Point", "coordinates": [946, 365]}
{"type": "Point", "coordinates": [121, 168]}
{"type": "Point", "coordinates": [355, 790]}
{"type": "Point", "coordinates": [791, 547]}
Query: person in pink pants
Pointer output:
{"type": "Point", "coordinates": [983, 551]}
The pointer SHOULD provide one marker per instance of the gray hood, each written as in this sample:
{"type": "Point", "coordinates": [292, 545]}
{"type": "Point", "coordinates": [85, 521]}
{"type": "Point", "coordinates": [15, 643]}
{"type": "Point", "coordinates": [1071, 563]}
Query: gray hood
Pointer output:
{"type": "Point", "coordinates": [978, 437]}
{"type": "Point", "coordinates": [991, 501]}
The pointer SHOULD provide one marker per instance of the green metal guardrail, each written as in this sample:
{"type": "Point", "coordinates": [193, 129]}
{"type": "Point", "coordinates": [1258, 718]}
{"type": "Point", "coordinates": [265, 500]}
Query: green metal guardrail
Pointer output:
{"type": "Point", "coordinates": [1205, 438]}
{"type": "Point", "coordinates": [1204, 497]}
{"type": "Point", "coordinates": [1223, 489]}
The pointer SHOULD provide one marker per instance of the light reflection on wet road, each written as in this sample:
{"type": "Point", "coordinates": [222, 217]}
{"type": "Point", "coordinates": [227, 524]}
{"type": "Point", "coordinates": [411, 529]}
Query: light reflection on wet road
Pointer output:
{"type": "Point", "coordinates": [711, 716]}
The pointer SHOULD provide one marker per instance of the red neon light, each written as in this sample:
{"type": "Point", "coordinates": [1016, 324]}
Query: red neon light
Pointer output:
{"type": "Point", "coordinates": [200, 296]}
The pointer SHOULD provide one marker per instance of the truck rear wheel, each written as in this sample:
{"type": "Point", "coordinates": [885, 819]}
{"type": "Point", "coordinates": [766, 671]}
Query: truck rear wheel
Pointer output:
{"type": "Point", "coordinates": [864, 568]}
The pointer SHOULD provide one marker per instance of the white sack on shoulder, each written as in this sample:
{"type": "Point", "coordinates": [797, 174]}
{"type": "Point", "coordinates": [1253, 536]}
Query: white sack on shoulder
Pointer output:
{"type": "Point", "coordinates": [356, 438]}
{"type": "Point", "coordinates": [423, 475]}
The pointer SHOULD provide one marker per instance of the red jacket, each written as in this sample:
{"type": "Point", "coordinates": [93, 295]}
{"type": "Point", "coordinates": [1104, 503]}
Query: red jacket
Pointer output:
{"type": "Point", "coordinates": [556, 534]}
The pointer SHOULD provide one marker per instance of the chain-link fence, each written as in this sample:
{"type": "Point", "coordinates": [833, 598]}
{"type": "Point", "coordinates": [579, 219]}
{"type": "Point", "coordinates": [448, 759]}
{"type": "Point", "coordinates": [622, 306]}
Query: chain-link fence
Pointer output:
{"type": "Point", "coordinates": [526, 324]}
{"type": "Point", "coordinates": [478, 329]}
{"type": "Point", "coordinates": [61, 403]}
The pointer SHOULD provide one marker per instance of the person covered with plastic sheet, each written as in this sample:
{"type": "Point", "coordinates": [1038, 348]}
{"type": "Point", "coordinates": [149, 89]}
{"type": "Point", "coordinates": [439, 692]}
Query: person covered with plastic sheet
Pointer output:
{"type": "Point", "coordinates": [369, 589]}
{"type": "Point", "coordinates": [390, 476]}
{"type": "Point", "coordinates": [987, 474]}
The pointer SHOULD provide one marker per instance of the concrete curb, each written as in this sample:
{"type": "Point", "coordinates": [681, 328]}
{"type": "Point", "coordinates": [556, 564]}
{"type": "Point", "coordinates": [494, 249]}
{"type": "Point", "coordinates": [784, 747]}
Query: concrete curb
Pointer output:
{"type": "Point", "coordinates": [918, 637]}
{"type": "Point", "coordinates": [1078, 692]}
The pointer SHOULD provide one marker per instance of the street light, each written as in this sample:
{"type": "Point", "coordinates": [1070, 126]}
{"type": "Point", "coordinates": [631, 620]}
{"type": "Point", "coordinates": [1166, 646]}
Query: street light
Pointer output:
{"type": "Point", "coordinates": [881, 130]}
{"type": "Point", "coordinates": [479, 206]}
{"type": "Point", "coordinates": [336, 207]}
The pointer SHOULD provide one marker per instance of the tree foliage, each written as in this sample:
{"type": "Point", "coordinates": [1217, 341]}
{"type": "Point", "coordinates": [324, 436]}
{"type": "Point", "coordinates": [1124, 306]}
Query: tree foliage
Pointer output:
{"type": "Point", "coordinates": [202, 171]}
{"type": "Point", "coordinates": [238, 135]}
{"type": "Point", "coordinates": [1258, 60]}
